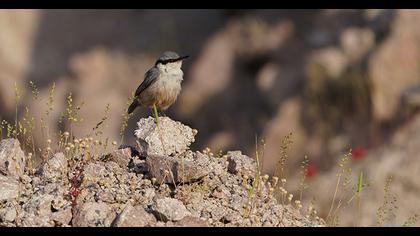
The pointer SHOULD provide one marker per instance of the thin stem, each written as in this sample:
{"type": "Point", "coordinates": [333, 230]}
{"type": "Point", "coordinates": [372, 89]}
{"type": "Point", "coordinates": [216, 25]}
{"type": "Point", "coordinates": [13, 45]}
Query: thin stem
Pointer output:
{"type": "Point", "coordinates": [335, 195]}
{"type": "Point", "coordinates": [359, 192]}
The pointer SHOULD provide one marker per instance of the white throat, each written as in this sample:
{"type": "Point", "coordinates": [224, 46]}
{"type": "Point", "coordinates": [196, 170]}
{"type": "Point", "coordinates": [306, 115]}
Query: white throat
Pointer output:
{"type": "Point", "coordinates": [171, 70]}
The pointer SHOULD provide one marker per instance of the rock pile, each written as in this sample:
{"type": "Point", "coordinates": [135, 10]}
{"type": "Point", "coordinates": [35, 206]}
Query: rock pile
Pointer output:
{"type": "Point", "coordinates": [161, 182]}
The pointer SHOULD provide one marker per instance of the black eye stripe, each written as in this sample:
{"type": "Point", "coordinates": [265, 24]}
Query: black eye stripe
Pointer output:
{"type": "Point", "coordinates": [163, 62]}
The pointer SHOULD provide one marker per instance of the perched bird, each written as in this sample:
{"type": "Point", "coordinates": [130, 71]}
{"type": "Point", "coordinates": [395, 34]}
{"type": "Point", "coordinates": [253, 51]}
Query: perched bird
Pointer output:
{"type": "Point", "coordinates": [161, 85]}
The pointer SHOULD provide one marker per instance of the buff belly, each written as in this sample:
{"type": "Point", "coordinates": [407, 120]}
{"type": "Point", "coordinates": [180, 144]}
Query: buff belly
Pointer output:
{"type": "Point", "coordinates": [162, 93]}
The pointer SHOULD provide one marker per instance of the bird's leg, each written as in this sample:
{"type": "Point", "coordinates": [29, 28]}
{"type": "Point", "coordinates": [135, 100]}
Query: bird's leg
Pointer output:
{"type": "Point", "coordinates": [156, 114]}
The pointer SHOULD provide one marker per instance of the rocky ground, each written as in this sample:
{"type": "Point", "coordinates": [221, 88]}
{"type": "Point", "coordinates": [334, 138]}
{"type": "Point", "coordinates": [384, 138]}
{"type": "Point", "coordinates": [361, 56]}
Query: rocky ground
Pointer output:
{"type": "Point", "coordinates": [160, 182]}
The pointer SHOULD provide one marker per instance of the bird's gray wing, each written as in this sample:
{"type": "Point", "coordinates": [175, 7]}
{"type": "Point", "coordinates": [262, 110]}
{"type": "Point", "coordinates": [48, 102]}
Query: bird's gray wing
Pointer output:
{"type": "Point", "coordinates": [149, 78]}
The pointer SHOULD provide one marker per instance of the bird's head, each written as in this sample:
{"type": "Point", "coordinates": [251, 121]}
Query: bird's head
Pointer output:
{"type": "Point", "coordinates": [170, 60]}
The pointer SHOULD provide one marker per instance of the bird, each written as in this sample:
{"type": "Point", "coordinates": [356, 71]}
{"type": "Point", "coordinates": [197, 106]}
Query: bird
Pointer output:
{"type": "Point", "coordinates": [161, 85]}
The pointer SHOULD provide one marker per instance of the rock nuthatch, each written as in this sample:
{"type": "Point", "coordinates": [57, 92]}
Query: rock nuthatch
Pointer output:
{"type": "Point", "coordinates": [162, 83]}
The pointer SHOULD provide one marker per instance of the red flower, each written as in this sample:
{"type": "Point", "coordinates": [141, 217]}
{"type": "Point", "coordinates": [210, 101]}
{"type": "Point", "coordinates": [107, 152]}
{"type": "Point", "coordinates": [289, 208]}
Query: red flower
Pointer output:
{"type": "Point", "coordinates": [311, 170]}
{"type": "Point", "coordinates": [358, 153]}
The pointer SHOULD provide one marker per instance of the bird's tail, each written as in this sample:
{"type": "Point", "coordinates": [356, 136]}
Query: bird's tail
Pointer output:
{"type": "Point", "coordinates": [133, 106]}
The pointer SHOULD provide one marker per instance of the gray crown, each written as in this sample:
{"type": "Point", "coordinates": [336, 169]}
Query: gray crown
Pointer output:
{"type": "Point", "coordinates": [168, 55]}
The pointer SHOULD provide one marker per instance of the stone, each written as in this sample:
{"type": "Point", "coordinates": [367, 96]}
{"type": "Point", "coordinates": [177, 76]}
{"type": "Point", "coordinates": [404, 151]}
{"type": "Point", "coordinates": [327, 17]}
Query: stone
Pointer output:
{"type": "Point", "coordinates": [239, 163]}
{"type": "Point", "coordinates": [62, 217]}
{"type": "Point", "coordinates": [32, 220]}
{"type": "Point", "coordinates": [8, 214]}
{"type": "Point", "coordinates": [139, 166]}
{"type": "Point", "coordinates": [181, 169]}
{"type": "Point", "coordinates": [393, 68]}
{"type": "Point", "coordinates": [356, 42]}
{"type": "Point", "coordinates": [218, 212]}
{"type": "Point", "coordinates": [94, 172]}
{"type": "Point", "coordinates": [12, 158]}
{"type": "Point", "coordinates": [169, 138]}
{"type": "Point", "coordinates": [411, 97]}
{"type": "Point", "coordinates": [58, 203]}
{"type": "Point", "coordinates": [190, 221]}
{"type": "Point", "coordinates": [220, 192]}
{"type": "Point", "coordinates": [332, 60]}
{"type": "Point", "coordinates": [91, 214]}
{"type": "Point", "coordinates": [56, 167]}
{"type": "Point", "coordinates": [160, 224]}
{"type": "Point", "coordinates": [105, 196]}
{"type": "Point", "coordinates": [40, 204]}
{"type": "Point", "coordinates": [169, 209]}
{"type": "Point", "coordinates": [121, 156]}
{"type": "Point", "coordinates": [37, 211]}
{"type": "Point", "coordinates": [9, 188]}
{"type": "Point", "coordinates": [134, 216]}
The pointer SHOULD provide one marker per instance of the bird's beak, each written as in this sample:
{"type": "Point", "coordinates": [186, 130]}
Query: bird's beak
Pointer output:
{"type": "Point", "coordinates": [182, 58]}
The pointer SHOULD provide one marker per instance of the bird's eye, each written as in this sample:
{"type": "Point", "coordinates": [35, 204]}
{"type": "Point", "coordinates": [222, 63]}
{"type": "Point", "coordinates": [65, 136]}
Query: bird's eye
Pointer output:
{"type": "Point", "coordinates": [163, 62]}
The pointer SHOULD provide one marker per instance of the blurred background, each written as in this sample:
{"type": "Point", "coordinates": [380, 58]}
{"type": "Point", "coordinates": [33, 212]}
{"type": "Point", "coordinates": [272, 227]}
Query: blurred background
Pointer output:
{"type": "Point", "coordinates": [336, 79]}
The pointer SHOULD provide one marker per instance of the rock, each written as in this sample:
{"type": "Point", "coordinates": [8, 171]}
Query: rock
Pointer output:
{"type": "Point", "coordinates": [169, 138]}
{"type": "Point", "coordinates": [393, 68]}
{"type": "Point", "coordinates": [181, 169]}
{"type": "Point", "coordinates": [8, 214]}
{"type": "Point", "coordinates": [62, 217]}
{"type": "Point", "coordinates": [169, 224]}
{"type": "Point", "coordinates": [32, 220]}
{"type": "Point", "coordinates": [37, 211]}
{"type": "Point", "coordinates": [55, 168]}
{"type": "Point", "coordinates": [411, 96]}
{"type": "Point", "coordinates": [58, 203]}
{"type": "Point", "coordinates": [9, 188]}
{"type": "Point", "coordinates": [160, 224]}
{"type": "Point", "coordinates": [40, 205]}
{"type": "Point", "coordinates": [92, 214]}
{"type": "Point", "coordinates": [169, 209]}
{"type": "Point", "coordinates": [220, 192]}
{"type": "Point", "coordinates": [93, 172]}
{"type": "Point", "coordinates": [356, 42]}
{"type": "Point", "coordinates": [218, 212]}
{"type": "Point", "coordinates": [239, 163]}
{"type": "Point", "coordinates": [139, 166]}
{"type": "Point", "coordinates": [105, 196]}
{"type": "Point", "coordinates": [12, 158]}
{"type": "Point", "coordinates": [121, 156]}
{"type": "Point", "coordinates": [380, 21]}
{"type": "Point", "coordinates": [148, 195]}
{"type": "Point", "coordinates": [134, 217]}
{"type": "Point", "coordinates": [21, 32]}
{"type": "Point", "coordinates": [190, 221]}
{"type": "Point", "coordinates": [332, 60]}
